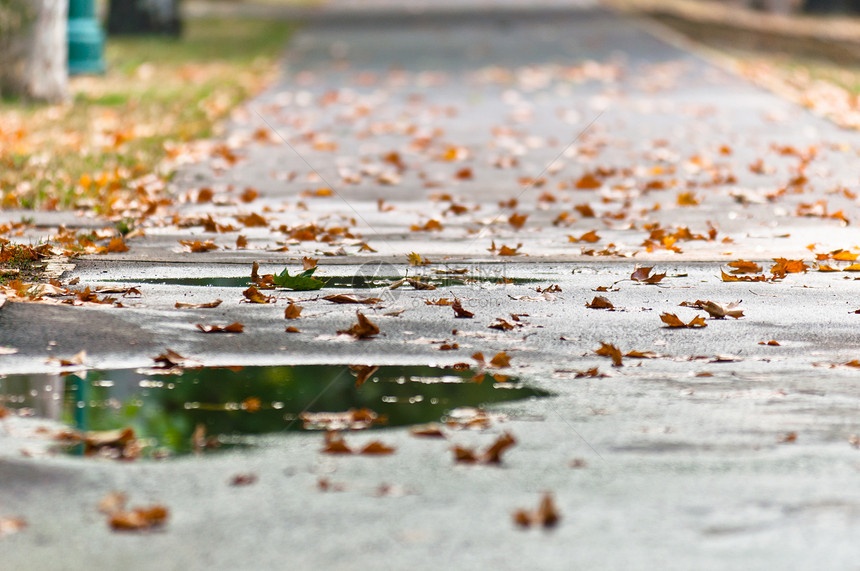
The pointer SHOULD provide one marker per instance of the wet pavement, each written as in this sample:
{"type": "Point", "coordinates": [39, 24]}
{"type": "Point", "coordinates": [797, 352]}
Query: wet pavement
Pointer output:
{"type": "Point", "coordinates": [726, 446]}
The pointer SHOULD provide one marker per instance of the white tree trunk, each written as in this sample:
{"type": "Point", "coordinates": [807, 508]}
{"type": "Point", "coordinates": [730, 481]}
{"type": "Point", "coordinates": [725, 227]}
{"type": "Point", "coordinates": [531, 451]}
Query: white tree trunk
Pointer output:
{"type": "Point", "coordinates": [35, 50]}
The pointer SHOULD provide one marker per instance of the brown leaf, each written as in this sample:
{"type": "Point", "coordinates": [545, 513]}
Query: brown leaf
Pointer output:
{"type": "Point", "coordinates": [363, 373]}
{"type": "Point", "coordinates": [589, 237]}
{"type": "Point", "coordinates": [644, 275]}
{"type": "Point", "coordinates": [459, 311]}
{"type": "Point", "coordinates": [245, 479]}
{"type": "Point", "coordinates": [672, 320]}
{"type": "Point", "coordinates": [493, 454]}
{"type": "Point", "coordinates": [772, 343]}
{"type": "Point", "coordinates": [168, 359]}
{"type": "Point", "coordinates": [744, 267]}
{"type": "Point", "coordinates": [117, 245]}
{"type": "Point", "coordinates": [292, 311]}
{"type": "Point", "coordinates": [241, 242]}
{"type": "Point", "coordinates": [501, 325]}
{"type": "Point", "coordinates": [517, 220]}
{"type": "Point", "coordinates": [253, 295]}
{"type": "Point", "coordinates": [716, 310]}
{"type": "Point", "coordinates": [253, 220]}
{"type": "Point", "coordinates": [600, 302]}
{"type": "Point", "coordinates": [377, 448]}
{"type": "Point", "coordinates": [546, 515]}
{"type": "Point", "coordinates": [344, 298]}
{"type": "Point", "coordinates": [232, 328]}
{"type": "Point", "coordinates": [611, 351]}
{"type": "Point", "coordinates": [209, 305]}
{"type": "Point", "coordinates": [588, 182]}
{"type": "Point", "coordinates": [308, 263]}
{"type": "Point", "coordinates": [364, 329]}
{"type": "Point", "coordinates": [139, 519]}
{"type": "Point", "coordinates": [500, 360]}
{"type": "Point", "coordinates": [427, 431]}
{"type": "Point", "coordinates": [335, 444]}
{"type": "Point", "coordinates": [197, 246]}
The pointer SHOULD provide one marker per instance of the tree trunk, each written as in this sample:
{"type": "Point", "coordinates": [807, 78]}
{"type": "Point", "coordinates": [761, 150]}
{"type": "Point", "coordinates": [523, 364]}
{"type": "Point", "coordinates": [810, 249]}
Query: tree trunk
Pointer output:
{"type": "Point", "coordinates": [35, 50]}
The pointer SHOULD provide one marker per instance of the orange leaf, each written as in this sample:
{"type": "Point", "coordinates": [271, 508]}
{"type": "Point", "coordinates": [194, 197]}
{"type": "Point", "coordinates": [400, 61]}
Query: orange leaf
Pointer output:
{"type": "Point", "coordinates": [501, 360]}
{"type": "Point", "coordinates": [611, 351]}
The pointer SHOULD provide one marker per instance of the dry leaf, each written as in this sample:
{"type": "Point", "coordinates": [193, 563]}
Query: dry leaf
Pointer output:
{"type": "Point", "coordinates": [292, 311]}
{"type": "Point", "coordinates": [344, 298]}
{"type": "Point", "coordinates": [672, 320]}
{"type": "Point", "coordinates": [600, 302]}
{"type": "Point", "coordinates": [232, 328]}
{"type": "Point", "coordinates": [253, 295]}
{"type": "Point", "coordinates": [335, 444]}
{"type": "Point", "coordinates": [209, 305]}
{"type": "Point", "coordinates": [500, 361]}
{"type": "Point", "coordinates": [363, 373]}
{"type": "Point", "coordinates": [545, 516]}
{"type": "Point", "coordinates": [611, 351]}
{"type": "Point", "coordinates": [377, 448]}
{"type": "Point", "coordinates": [492, 455]}
{"type": "Point", "coordinates": [139, 519]}
{"type": "Point", "coordinates": [245, 479]}
{"type": "Point", "coordinates": [644, 275]}
{"type": "Point", "coordinates": [364, 329]}
{"type": "Point", "coordinates": [459, 311]}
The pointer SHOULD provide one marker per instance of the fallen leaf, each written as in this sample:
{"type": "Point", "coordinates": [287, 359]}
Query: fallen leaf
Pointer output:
{"type": "Point", "coordinates": [169, 359]}
{"type": "Point", "coordinates": [611, 351]}
{"type": "Point", "coordinates": [376, 448]}
{"type": "Point", "coordinates": [196, 246]}
{"type": "Point", "coordinates": [600, 302]}
{"type": "Point", "coordinates": [292, 311]}
{"type": "Point", "coordinates": [500, 360]}
{"type": "Point", "coordinates": [300, 282]}
{"type": "Point", "coordinates": [335, 444]}
{"type": "Point", "coordinates": [772, 343]}
{"type": "Point", "coordinates": [245, 479]}
{"type": "Point", "coordinates": [363, 373]}
{"type": "Point", "coordinates": [716, 310]}
{"type": "Point", "coordinates": [546, 515]}
{"type": "Point", "coordinates": [232, 328]}
{"type": "Point", "coordinates": [209, 305]}
{"type": "Point", "coordinates": [364, 329]}
{"type": "Point", "coordinates": [672, 320]}
{"type": "Point", "coordinates": [460, 311]}
{"type": "Point", "coordinates": [427, 431]}
{"type": "Point", "coordinates": [501, 325]}
{"type": "Point", "coordinates": [589, 237]}
{"type": "Point", "coordinates": [492, 455]}
{"type": "Point", "coordinates": [644, 275]}
{"type": "Point", "coordinates": [253, 295]}
{"type": "Point", "coordinates": [139, 519]}
{"type": "Point", "coordinates": [744, 267]}
{"type": "Point", "coordinates": [344, 298]}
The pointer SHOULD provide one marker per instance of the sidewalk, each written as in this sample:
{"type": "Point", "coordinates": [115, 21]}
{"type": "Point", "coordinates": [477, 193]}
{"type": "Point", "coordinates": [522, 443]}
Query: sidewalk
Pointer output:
{"type": "Point", "coordinates": [455, 138]}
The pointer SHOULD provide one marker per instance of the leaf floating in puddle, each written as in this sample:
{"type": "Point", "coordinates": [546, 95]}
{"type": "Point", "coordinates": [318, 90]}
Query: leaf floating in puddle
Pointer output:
{"type": "Point", "coordinates": [363, 373]}
{"type": "Point", "coordinates": [210, 305]}
{"type": "Point", "coordinates": [364, 329]}
{"type": "Point", "coordinates": [299, 282]}
{"type": "Point", "coordinates": [232, 328]}
{"type": "Point", "coordinates": [545, 516]}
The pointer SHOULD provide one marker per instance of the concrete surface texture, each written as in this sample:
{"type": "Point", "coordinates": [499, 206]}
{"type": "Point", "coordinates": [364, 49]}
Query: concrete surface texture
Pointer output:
{"type": "Point", "coordinates": [718, 451]}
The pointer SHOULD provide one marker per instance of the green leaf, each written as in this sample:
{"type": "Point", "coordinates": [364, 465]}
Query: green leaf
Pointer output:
{"type": "Point", "coordinates": [298, 282]}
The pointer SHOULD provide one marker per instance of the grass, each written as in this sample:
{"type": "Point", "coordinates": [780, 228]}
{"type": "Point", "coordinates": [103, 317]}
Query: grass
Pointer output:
{"type": "Point", "coordinates": [158, 94]}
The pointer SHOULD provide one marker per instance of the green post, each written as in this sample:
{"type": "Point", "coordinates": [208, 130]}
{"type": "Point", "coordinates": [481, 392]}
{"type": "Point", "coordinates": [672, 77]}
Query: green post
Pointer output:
{"type": "Point", "coordinates": [86, 39]}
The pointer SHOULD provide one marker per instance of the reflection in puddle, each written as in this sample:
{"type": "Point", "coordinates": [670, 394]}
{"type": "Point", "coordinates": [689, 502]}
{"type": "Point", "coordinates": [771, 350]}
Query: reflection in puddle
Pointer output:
{"type": "Point", "coordinates": [355, 281]}
{"type": "Point", "coordinates": [231, 403]}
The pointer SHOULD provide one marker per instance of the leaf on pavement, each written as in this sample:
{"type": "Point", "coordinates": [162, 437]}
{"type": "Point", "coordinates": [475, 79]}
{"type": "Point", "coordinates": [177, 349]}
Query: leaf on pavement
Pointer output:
{"type": "Point", "coordinates": [611, 351]}
{"type": "Point", "coordinates": [716, 310]}
{"type": "Point", "coordinates": [209, 305]}
{"type": "Point", "coordinates": [644, 275]}
{"type": "Point", "coordinates": [600, 302]}
{"type": "Point", "coordinates": [292, 311]}
{"type": "Point", "coordinates": [139, 519]}
{"type": "Point", "coordinates": [492, 455]}
{"type": "Point", "coordinates": [345, 298]}
{"type": "Point", "coordinates": [253, 295]}
{"type": "Point", "coordinates": [546, 515]}
{"type": "Point", "coordinates": [196, 246]}
{"type": "Point", "coordinates": [460, 311]}
{"type": "Point", "coordinates": [671, 320]}
{"type": "Point", "coordinates": [232, 328]}
{"type": "Point", "coordinates": [500, 360]}
{"type": "Point", "coordinates": [363, 329]}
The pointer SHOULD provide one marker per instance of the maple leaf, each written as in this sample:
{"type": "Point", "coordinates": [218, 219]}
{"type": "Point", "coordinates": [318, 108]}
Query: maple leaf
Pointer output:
{"type": "Point", "coordinates": [292, 311]}
{"type": "Point", "coordinates": [364, 329]}
{"type": "Point", "coordinates": [508, 251]}
{"type": "Point", "coordinates": [600, 302]}
{"type": "Point", "coordinates": [415, 259]}
{"type": "Point", "coordinates": [784, 266]}
{"type": "Point", "coordinates": [611, 351]}
{"type": "Point", "coordinates": [117, 245]}
{"type": "Point", "coordinates": [460, 311]}
{"type": "Point", "coordinates": [672, 320]}
{"type": "Point", "coordinates": [299, 282]}
{"type": "Point", "coordinates": [643, 275]}
{"type": "Point", "coordinates": [232, 328]}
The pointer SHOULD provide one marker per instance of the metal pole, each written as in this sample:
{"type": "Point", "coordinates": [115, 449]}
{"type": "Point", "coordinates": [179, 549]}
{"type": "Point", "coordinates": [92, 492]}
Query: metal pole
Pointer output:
{"type": "Point", "coordinates": [86, 39]}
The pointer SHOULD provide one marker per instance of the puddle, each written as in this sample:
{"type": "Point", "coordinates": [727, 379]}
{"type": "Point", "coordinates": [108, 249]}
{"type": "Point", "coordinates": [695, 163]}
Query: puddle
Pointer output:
{"type": "Point", "coordinates": [355, 282]}
{"type": "Point", "coordinates": [236, 403]}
